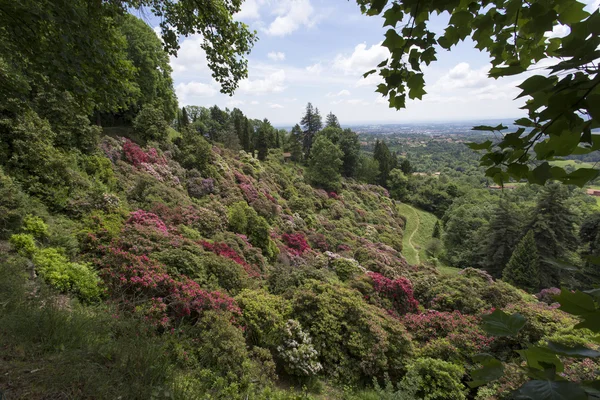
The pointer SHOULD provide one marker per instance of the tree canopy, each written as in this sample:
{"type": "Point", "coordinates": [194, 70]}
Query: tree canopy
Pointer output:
{"type": "Point", "coordinates": [563, 100]}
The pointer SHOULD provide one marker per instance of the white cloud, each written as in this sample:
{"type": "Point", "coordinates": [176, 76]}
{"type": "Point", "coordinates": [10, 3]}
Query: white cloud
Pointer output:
{"type": "Point", "coordinates": [291, 15]}
{"type": "Point", "coordinates": [249, 10]}
{"type": "Point", "coordinates": [343, 92]}
{"type": "Point", "coordinates": [190, 92]}
{"type": "Point", "coordinates": [371, 80]}
{"type": "Point", "coordinates": [272, 83]}
{"type": "Point", "coordinates": [462, 76]}
{"type": "Point", "coordinates": [235, 103]}
{"type": "Point", "coordinates": [275, 105]}
{"type": "Point", "coordinates": [276, 56]}
{"type": "Point", "coordinates": [254, 102]}
{"type": "Point", "coordinates": [315, 69]}
{"type": "Point", "coordinates": [362, 59]}
{"type": "Point", "coordinates": [191, 58]}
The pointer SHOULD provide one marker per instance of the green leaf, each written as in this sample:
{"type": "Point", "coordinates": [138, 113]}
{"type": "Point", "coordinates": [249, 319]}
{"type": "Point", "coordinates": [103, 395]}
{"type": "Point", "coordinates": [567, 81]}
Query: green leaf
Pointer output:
{"type": "Point", "coordinates": [487, 145]}
{"type": "Point", "coordinates": [539, 358]}
{"type": "Point", "coordinates": [540, 174]}
{"type": "Point", "coordinates": [551, 390]}
{"type": "Point", "coordinates": [499, 323]}
{"type": "Point", "coordinates": [575, 303]}
{"type": "Point", "coordinates": [393, 40]}
{"type": "Point", "coordinates": [517, 170]}
{"type": "Point", "coordinates": [491, 371]}
{"type": "Point", "coordinates": [498, 72]}
{"type": "Point", "coordinates": [489, 128]}
{"type": "Point", "coordinates": [416, 83]}
{"type": "Point", "coordinates": [366, 74]}
{"type": "Point", "coordinates": [590, 321]}
{"type": "Point", "coordinates": [575, 351]}
{"type": "Point", "coordinates": [580, 176]}
{"type": "Point", "coordinates": [534, 84]}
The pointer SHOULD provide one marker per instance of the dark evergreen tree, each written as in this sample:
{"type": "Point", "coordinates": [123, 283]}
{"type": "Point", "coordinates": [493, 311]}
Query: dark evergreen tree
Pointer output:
{"type": "Point", "coordinates": [406, 167]}
{"type": "Point", "coordinates": [553, 225]}
{"type": "Point", "coordinates": [332, 121]}
{"type": "Point", "coordinates": [589, 235]}
{"type": "Point", "coordinates": [382, 155]}
{"type": "Point", "coordinates": [294, 143]}
{"type": "Point", "coordinates": [437, 230]}
{"type": "Point", "coordinates": [522, 269]}
{"type": "Point", "coordinates": [185, 120]}
{"type": "Point", "coordinates": [311, 122]}
{"type": "Point", "coordinates": [245, 135]}
{"type": "Point", "coordinates": [350, 146]}
{"type": "Point", "coordinates": [263, 135]}
{"type": "Point", "coordinates": [503, 234]}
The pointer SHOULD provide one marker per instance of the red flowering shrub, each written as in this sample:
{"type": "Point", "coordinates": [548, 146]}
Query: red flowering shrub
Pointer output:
{"type": "Point", "coordinates": [223, 250]}
{"type": "Point", "coordinates": [250, 193]}
{"type": "Point", "coordinates": [333, 195]}
{"type": "Point", "coordinates": [136, 156]}
{"type": "Point", "coordinates": [398, 291]}
{"type": "Point", "coordinates": [140, 284]}
{"type": "Point", "coordinates": [296, 243]}
{"type": "Point", "coordinates": [318, 241]}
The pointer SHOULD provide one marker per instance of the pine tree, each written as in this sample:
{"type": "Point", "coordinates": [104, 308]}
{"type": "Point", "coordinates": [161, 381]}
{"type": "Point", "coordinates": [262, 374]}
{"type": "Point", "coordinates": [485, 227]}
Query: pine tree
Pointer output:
{"type": "Point", "coordinates": [294, 143]}
{"type": "Point", "coordinates": [245, 135]}
{"type": "Point", "coordinates": [553, 225]}
{"type": "Point", "coordinates": [437, 230]}
{"type": "Point", "coordinates": [332, 121]}
{"type": "Point", "coordinates": [185, 120]}
{"type": "Point", "coordinates": [522, 269]}
{"type": "Point", "coordinates": [311, 122]}
{"type": "Point", "coordinates": [502, 237]}
{"type": "Point", "coordinates": [382, 154]}
{"type": "Point", "coordinates": [350, 146]}
{"type": "Point", "coordinates": [262, 139]}
{"type": "Point", "coordinates": [406, 167]}
{"type": "Point", "coordinates": [324, 164]}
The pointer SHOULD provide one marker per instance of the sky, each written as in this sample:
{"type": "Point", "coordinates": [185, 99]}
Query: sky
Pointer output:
{"type": "Point", "coordinates": [317, 50]}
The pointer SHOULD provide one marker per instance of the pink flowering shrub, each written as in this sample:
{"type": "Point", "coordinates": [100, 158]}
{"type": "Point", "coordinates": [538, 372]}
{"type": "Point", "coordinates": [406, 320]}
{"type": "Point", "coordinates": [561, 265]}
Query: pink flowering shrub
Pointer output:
{"type": "Point", "coordinates": [447, 334]}
{"type": "Point", "coordinates": [141, 217]}
{"type": "Point", "coordinates": [296, 243]}
{"type": "Point", "coordinates": [547, 295]}
{"type": "Point", "coordinates": [250, 193]}
{"type": "Point", "coordinates": [142, 285]}
{"type": "Point", "coordinates": [397, 291]}
{"type": "Point", "coordinates": [223, 250]}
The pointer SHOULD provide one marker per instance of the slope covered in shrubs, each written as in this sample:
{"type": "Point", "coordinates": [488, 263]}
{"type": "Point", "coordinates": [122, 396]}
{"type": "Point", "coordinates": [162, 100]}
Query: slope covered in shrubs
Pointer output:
{"type": "Point", "coordinates": [234, 277]}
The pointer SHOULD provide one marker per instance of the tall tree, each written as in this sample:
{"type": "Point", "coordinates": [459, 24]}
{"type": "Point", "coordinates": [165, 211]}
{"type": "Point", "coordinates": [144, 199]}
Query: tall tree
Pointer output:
{"type": "Point", "coordinates": [324, 164]}
{"type": "Point", "coordinates": [246, 134]}
{"type": "Point", "coordinates": [553, 225]}
{"type": "Point", "coordinates": [294, 143]}
{"type": "Point", "coordinates": [522, 268]}
{"type": "Point", "coordinates": [437, 230]}
{"type": "Point", "coordinates": [382, 154]}
{"type": "Point", "coordinates": [311, 122]}
{"type": "Point", "coordinates": [503, 233]}
{"type": "Point", "coordinates": [332, 121]}
{"type": "Point", "coordinates": [263, 136]}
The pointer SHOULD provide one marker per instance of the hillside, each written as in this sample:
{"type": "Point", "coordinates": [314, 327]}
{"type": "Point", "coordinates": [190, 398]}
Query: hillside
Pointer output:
{"type": "Point", "coordinates": [228, 279]}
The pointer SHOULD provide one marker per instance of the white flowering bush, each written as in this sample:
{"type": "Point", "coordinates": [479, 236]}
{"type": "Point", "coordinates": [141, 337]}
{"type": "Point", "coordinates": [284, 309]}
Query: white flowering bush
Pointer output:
{"type": "Point", "coordinates": [297, 352]}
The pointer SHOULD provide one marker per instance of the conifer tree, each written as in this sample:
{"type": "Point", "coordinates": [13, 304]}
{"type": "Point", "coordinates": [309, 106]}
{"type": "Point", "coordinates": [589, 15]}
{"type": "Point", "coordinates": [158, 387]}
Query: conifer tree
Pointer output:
{"type": "Point", "coordinates": [437, 230]}
{"type": "Point", "coordinates": [311, 122]}
{"type": "Point", "coordinates": [502, 237]}
{"type": "Point", "coordinates": [185, 120]}
{"type": "Point", "coordinates": [294, 143]}
{"type": "Point", "coordinates": [262, 139]}
{"type": "Point", "coordinates": [245, 135]}
{"type": "Point", "coordinates": [324, 164]}
{"type": "Point", "coordinates": [382, 155]}
{"type": "Point", "coordinates": [522, 269]}
{"type": "Point", "coordinates": [553, 225]}
{"type": "Point", "coordinates": [332, 121]}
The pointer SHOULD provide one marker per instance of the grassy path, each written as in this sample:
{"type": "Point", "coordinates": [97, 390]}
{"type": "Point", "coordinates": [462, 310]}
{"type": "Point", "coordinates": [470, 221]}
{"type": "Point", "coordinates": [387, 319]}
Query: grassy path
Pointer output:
{"type": "Point", "coordinates": [417, 233]}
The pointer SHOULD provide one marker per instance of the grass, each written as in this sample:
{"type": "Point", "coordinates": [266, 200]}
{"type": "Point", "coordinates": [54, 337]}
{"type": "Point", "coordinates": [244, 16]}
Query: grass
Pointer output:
{"type": "Point", "coordinates": [573, 163]}
{"type": "Point", "coordinates": [417, 233]}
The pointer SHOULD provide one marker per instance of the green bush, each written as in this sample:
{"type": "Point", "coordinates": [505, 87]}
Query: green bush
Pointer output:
{"type": "Point", "coordinates": [345, 268]}
{"type": "Point", "coordinates": [187, 261]}
{"type": "Point", "coordinates": [238, 218]}
{"type": "Point", "coordinates": [355, 340]}
{"type": "Point", "coordinates": [432, 379]}
{"type": "Point", "coordinates": [150, 124]}
{"type": "Point", "coordinates": [264, 316]}
{"type": "Point", "coordinates": [79, 279]}
{"type": "Point", "coordinates": [24, 244]}
{"type": "Point", "coordinates": [35, 226]}
{"type": "Point", "coordinates": [230, 275]}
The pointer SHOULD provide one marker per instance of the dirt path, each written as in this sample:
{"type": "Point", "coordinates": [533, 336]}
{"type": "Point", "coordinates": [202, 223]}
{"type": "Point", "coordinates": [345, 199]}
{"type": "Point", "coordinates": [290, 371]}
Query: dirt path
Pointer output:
{"type": "Point", "coordinates": [418, 223]}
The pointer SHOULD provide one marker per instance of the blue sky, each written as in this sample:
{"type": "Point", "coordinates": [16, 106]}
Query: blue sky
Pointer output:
{"type": "Point", "coordinates": [317, 51]}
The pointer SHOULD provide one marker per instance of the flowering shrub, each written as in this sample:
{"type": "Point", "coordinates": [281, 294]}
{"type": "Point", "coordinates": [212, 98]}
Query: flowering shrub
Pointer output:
{"type": "Point", "coordinates": [134, 281]}
{"type": "Point", "coordinates": [432, 379]}
{"type": "Point", "coordinates": [297, 352]}
{"type": "Point", "coordinates": [250, 193]}
{"type": "Point", "coordinates": [398, 291]}
{"type": "Point", "coordinates": [136, 156]}
{"type": "Point", "coordinates": [547, 295]}
{"type": "Point", "coordinates": [461, 335]}
{"type": "Point", "coordinates": [144, 218]}
{"type": "Point", "coordinates": [223, 250]}
{"type": "Point", "coordinates": [296, 243]}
